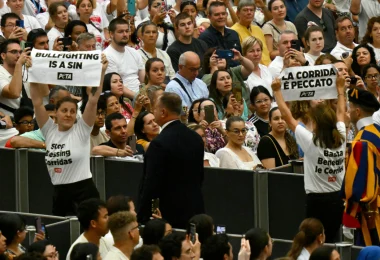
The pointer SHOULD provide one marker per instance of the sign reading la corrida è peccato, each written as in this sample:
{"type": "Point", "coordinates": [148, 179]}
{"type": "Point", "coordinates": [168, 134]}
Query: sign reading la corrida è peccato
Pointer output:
{"type": "Point", "coordinates": [309, 83]}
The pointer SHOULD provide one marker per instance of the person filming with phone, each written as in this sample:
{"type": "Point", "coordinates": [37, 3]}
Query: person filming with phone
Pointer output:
{"type": "Point", "coordinates": [10, 29]}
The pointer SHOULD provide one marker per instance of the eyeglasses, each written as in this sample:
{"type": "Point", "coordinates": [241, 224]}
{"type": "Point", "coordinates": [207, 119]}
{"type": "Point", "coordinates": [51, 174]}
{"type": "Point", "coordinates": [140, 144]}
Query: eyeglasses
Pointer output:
{"type": "Point", "coordinates": [137, 227]}
{"type": "Point", "coordinates": [25, 122]}
{"type": "Point", "coordinates": [15, 51]}
{"type": "Point", "coordinates": [375, 76]}
{"type": "Point", "coordinates": [258, 102]}
{"type": "Point", "coordinates": [322, 23]}
{"type": "Point", "coordinates": [193, 70]}
{"type": "Point", "coordinates": [10, 25]}
{"type": "Point", "coordinates": [237, 131]}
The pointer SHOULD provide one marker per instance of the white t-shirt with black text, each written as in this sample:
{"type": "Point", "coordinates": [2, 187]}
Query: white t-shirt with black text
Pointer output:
{"type": "Point", "coordinates": [67, 152]}
{"type": "Point", "coordinates": [324, 168]}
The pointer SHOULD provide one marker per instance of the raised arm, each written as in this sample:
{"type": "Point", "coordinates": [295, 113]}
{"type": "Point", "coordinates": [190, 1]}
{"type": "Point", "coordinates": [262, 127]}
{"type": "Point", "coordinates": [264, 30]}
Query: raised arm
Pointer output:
{"type": "Point", "coordinates": [341, 109]}
{"type": "Point", "coordinates": [89, 113]}
{"type": "Point", "coordinates": [246, 65]}
{"type": "Point", "coordinates": [355, 7]}
{"type": "Point", "coordinates": [285, 111]}
{"type": "Point", "coordinates": [37, 98]}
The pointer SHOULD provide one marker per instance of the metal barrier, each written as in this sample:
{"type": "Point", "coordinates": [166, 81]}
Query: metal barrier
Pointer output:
{"type": "Point", "coordinates": [273, 200]}
{"type": "Point", "coordinates": [62, 231]}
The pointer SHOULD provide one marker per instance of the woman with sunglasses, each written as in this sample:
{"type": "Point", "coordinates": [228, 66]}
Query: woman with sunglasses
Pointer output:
{"type": "Point", "coordinates": [371, 76]}
{"type": "Point", "coordinates": [235, 155]}
{"type": "Point", "coordinates": [278, 146]}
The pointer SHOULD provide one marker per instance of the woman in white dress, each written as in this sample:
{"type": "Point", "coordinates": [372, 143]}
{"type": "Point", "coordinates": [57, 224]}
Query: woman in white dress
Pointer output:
{"type": "Point", "coordinates": [234, 155]}
{"type": "Point", "coordinates": [315, 43]}
{"type": "Point", "coordinates": [252, 50]}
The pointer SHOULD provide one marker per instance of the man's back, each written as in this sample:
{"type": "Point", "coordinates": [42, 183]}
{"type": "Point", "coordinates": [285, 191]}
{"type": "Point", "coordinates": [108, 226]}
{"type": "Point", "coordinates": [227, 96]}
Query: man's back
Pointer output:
{"type": "Point", "coordinates": [173, 172]}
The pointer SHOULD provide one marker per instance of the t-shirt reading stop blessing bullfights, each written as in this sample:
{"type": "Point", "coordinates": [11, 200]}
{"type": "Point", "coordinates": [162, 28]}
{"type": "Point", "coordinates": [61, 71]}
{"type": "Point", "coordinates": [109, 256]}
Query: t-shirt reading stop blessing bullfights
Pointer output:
{"type": "Point", "coordinates": [324, 168]}
{"type": "Point", "coordinates": [67, 152]}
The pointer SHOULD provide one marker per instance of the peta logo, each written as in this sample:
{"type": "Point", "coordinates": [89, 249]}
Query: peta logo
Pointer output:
{"type": "Point", "coordinates": [64, 76]}
{"type": "Point", "coordinates": [307, 94]}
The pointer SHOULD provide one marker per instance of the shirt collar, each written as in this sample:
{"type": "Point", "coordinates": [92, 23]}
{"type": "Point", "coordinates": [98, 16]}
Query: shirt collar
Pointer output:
{"type": "Point", "coordinates": [181, 78]}
{"type": "Point", "coordinates": [364, 122]}
{"type": "Point", "coordinates": [166, 124]}
{"type": "Point", "coordinates": [344, 47]}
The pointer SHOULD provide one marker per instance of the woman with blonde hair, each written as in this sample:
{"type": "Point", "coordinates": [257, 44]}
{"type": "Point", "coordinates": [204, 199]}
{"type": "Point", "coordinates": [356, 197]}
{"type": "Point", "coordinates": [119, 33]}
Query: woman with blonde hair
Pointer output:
{"type": "Point", "coordinates": [310, 236]}
{"type": "Point", "coordinates": [252, 49]}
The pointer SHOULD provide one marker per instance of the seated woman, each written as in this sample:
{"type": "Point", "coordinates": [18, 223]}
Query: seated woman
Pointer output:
{"type": "Point", "coordinates": [13, 228]}
{"type": "Point", "coordinates": [261, 102]}
{"type": "Point", "coordinates": [215, 133]}
{"type": "Point", "coordinates": [315, 43]}
{"type": "Point", "coordinates": [221, 85]}
{"type": "Point", "coordinates": [371, 76]}
{"type": "Point", "coordinates": [194, 111]}
{"type": "Point", "coordinates": [234, 108]}
{"type": "Point", "coordinates": [155, 230]}
{"type": "Point", "coordinates": [146, 129]}
{"type": "Point", "coordinates": [154, 73]}
{"type": "Point", "coordinates": [278, 146]}
{"type": "Point", "coordinates": [209, 159]}
{"type": "Point", "coordinates": [310, 236]}
{"type": "Point", "coordinates": [235, 155]}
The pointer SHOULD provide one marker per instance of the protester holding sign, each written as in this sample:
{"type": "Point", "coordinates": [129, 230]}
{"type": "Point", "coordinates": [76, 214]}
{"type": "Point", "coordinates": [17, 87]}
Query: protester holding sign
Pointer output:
{"type": "Point", "coordinates": [67, 147]}
{"type": "Point", "coordinates": [324, 150]}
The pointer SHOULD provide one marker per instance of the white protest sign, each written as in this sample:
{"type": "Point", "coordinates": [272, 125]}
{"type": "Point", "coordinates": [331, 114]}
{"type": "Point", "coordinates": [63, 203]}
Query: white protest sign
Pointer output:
{"type": "Point", "coordinates": [80, 68]}
{"type": "Point", "coordinates": [309, 83]}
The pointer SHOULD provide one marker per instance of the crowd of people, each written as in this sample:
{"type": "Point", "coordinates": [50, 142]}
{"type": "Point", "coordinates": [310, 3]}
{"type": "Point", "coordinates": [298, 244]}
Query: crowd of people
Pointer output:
{"type": "Point", "coordinates": [191, 84]}
{"type": "Point", "coordinates": [111, 231]}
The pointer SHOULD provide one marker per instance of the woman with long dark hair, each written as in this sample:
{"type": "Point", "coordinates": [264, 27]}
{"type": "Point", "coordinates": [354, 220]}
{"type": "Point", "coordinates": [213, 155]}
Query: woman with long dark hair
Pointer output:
{"type": "Point", "coordinates": [278, 146]}
{"type": "Point", "coordinates": [146, 129]}
{"type": "Point", "coordinates": [362, 55]}
{"type": "Point", "coordinates": [324, 160]}
{"type": "Point", "coordinates": [371, 77]}
{"type": "Point", "coordinates": [310, 236]}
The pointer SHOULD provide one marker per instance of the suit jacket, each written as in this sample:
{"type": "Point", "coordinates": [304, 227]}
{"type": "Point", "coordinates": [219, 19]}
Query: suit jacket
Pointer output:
{"type": "Point", "coordinates": [173, 172]}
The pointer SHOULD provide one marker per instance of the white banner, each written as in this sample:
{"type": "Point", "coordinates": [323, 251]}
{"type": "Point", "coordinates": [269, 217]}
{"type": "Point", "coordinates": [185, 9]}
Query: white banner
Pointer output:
{"type": "Point", "coordinates": [80, 68]}
{"type": "Point", "coordinates": [309, 83]}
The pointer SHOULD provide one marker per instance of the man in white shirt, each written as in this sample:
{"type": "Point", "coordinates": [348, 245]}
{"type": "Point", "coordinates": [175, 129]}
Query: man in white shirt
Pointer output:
{"type": "Point", "coordinates": [126, 234]}
{"type": "Point", "coordinates": [345, 34]}
{"type": "Point", "coordinates": [30, 22]}
{"type": "Point", "coordinates": [284, 45]}
{"type": "Point", "coordinates": [93, 217]}
{"type": "Point", "coordinates": [124, 60]}
{"type": "Point", "coordinates": [11, 82]}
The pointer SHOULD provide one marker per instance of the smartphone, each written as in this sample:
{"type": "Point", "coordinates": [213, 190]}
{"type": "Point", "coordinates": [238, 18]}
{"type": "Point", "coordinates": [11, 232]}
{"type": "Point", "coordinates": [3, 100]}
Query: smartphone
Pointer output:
{"type": "Point", "coordinates": [142, 90]}
{"type": "Point", "coordinates": [237, 91]}
{"type": "Point", "coordinates": [132, 142]}
{"type": "Point", "coordinates": [220, 229]}
{"type": "Point", "coordinates": [295, 44]}
{"type": "Point", "coordinates": [28, 45]}
{"type": "Point", "coordinates": [192, 232]}
{"type": "Point", "coordinates": [168, 7]}
{"type": "Point", "coordinates": [20, 23]}
{"type": "Point", "coordinates": [209, 114]}
{"type": "Point", "coordinates": [155, 205]}
{"type": "Point", "coordinates": [131, 7]}
{"type": "Point", "coordinates": [224, 54]}
{"type": "Point", "coordinates": [184, 110]}
{"type": "Point", "coordinates": [345, 54]}
{"type": "Point", "coordinates": [353, 80]}
{"type": "Point", "coordinates": [66, 41]}
{"type": "Point", "coordinates": [38, 224]}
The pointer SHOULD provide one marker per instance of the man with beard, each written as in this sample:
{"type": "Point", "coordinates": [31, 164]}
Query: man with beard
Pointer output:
{"type": "Point", "coordinates": [123, 59]}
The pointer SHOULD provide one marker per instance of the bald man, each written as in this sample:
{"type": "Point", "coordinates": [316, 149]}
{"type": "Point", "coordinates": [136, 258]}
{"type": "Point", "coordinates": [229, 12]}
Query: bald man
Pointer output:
{"type": "Point", "coordinates": [186, 84]}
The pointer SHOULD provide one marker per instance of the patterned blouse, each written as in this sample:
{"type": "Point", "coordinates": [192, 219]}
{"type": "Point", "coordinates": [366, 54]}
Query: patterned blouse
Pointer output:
{"type": "Point", "coordinates": [214, 139]}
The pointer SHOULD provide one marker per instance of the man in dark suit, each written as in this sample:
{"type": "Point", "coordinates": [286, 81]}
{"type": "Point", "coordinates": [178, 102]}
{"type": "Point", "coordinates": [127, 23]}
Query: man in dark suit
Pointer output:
{"type": "Point", "coordinates": [173, 167]}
